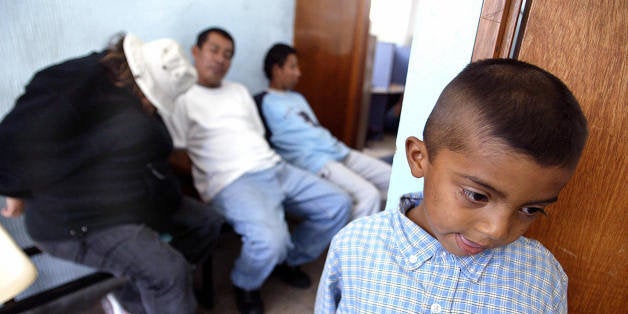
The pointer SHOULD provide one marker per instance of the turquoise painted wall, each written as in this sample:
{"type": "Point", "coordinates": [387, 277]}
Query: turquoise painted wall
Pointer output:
{"type": "Point", "coordinates": [36, 33]}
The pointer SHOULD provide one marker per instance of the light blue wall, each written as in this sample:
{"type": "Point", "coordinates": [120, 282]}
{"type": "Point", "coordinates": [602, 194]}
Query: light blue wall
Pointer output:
{"type": "Point", "coordinates": [442, 45]}
{"type": "Point", "coordinates": [36, 33]}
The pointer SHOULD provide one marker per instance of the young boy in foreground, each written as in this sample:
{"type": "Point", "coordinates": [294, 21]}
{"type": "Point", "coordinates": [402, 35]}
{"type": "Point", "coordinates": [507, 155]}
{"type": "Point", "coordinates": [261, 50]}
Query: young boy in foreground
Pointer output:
{"type": "Point", "coordinates": [502, 141]}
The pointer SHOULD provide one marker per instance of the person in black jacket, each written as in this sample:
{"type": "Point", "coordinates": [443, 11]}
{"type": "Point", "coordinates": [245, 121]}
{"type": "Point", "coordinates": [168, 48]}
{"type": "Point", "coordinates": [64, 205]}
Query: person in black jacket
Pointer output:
{"type": "Point", "coordinates": [85, 158]}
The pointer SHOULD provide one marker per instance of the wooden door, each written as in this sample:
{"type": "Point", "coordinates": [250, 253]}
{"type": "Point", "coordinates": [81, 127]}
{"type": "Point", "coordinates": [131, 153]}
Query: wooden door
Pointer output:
{"type": "Point", "coordinates": [585, 43]}
{"type": "Point", "coordinates": [332, 39]}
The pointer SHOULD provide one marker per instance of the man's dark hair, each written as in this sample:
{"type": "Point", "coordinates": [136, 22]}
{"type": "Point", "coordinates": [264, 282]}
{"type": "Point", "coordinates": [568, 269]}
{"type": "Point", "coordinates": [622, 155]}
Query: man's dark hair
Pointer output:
{"type": "Point", "coordinates": [202, 36]}
{"type": "Point", "coordinates": [513, 102]}
{"type": "Point", "coordinates": [277, 54]}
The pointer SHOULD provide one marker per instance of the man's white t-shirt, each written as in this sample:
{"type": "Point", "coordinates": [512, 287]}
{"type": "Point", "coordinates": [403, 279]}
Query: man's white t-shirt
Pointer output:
{"type": "Point", "coordinates": [223, 134]}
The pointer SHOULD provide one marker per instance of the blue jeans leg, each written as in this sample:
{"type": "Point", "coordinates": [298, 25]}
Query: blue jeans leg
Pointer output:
{"type": "Point", "coordinates": [323, 208]}
{"type": "Point", "coordinates": [252, 205]}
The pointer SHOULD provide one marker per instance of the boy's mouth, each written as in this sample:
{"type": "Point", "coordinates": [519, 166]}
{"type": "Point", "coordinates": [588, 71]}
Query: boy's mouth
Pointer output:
{"type": "Point", "coordinates": [468, 246]}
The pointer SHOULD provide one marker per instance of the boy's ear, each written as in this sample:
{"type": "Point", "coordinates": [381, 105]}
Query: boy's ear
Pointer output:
{"type": "Point", "coordinates": [416, 154]}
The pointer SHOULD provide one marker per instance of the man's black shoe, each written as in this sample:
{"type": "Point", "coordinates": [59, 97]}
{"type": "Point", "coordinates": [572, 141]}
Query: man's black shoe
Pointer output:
{"type": "Point", "coordinates": [293, 275]}
{"type": "Point", "coordinates": [248, 301]}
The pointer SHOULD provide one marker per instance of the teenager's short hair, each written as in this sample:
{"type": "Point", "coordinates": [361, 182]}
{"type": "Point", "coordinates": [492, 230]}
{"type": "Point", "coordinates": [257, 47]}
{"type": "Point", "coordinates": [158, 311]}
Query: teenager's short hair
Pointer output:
{"type": "Point", "coordinates": [202, 36]}
{"type": "Point", "coordinates": [277, 54]}
{"type": "Point", "coordinates": [514, 102]}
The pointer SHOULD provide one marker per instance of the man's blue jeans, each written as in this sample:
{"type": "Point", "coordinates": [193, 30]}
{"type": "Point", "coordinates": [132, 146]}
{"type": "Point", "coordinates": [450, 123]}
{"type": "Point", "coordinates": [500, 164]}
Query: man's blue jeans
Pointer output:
{"type": "Point", "coordinates": [254, 205]}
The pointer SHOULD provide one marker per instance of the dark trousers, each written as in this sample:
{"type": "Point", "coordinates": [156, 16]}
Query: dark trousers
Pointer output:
{"type": "Point", "coordinates": [160, 273]}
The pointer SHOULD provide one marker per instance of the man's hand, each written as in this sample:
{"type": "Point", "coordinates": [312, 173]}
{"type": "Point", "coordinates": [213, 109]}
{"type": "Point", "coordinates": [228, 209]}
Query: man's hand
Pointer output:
{"type": "Point", "coordinates": [13, 208]}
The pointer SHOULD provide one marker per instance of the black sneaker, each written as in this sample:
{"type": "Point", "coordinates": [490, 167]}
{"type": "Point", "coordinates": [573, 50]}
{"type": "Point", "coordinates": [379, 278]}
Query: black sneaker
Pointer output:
{"type": "Point", "coordinates": [293, 275]}
{"type": "Point", "coordinates": [248, 301]}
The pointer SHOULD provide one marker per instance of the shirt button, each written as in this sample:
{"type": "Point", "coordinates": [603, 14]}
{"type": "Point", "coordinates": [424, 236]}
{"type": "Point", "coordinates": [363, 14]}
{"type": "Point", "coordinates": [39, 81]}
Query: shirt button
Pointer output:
{"type": "Point", "coordinates": [436, 308]}
{"type": "Point", "coordinates": [413, 259]}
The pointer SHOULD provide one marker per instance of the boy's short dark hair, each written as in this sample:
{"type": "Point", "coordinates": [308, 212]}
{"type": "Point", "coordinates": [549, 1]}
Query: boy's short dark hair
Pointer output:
{"type": "Point", "coordinates": [277, 54]}
{"type": "Point", "coordinates": [202, 36]}
{"type": "Point", "coordinates": [517, 103]}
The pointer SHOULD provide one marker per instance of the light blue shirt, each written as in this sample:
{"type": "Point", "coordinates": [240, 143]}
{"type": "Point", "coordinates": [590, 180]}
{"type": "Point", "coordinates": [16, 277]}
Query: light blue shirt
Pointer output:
{"type": "Point", "coordinates": [385, 263]}
{"type": "Point", "coordinates": [296, 133]}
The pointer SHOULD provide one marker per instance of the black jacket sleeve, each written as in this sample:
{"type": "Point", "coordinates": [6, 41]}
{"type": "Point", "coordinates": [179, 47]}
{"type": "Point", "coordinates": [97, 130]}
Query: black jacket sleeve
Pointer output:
{"type": "Point", "coordinates": [62, 121]}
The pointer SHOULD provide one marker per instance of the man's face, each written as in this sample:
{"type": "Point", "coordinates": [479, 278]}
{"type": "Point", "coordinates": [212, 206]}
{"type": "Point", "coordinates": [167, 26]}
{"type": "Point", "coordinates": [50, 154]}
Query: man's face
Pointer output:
{"type": "Point", "coordinates": [484, 198]}
{"type": "Point", "coordinates": [213, 59]}
{"type": "Point", "coordinates": [287, 76]}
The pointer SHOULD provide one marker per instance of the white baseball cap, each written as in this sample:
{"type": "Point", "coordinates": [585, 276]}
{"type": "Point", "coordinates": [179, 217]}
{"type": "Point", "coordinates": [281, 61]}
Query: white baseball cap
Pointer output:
{"type": "Point", "coordinates": [161, 70]}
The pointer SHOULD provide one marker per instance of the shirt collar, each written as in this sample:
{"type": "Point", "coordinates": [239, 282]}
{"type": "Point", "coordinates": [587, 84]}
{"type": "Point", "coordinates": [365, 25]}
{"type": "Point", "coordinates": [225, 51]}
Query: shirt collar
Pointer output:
{"type": "Point", "coordinates": [278, 91]}
{"type": "Point", "coordinates": [417, 246]}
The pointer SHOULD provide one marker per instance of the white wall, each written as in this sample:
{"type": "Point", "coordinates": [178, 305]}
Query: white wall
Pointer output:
{"type": "Point", "coordinates": [36, 33]}
{"type": "Point", "coordinates": [390, 20]}
{"type": "Point", "coordinates": [442, 45]}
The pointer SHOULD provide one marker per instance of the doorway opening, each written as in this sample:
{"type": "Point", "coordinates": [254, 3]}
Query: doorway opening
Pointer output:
{"type": "Point", "coordinates": [391, 32]}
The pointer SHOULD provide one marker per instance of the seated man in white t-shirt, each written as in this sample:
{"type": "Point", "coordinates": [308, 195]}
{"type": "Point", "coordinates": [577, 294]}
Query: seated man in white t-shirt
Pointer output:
{"type": "Point", "coordinates": [236, 171]}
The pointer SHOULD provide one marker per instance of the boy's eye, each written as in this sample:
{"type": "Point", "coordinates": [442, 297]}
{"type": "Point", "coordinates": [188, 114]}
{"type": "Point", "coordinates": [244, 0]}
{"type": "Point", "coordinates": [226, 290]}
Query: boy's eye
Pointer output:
{"type": "Point", "coordinates": [531, 211]}
{"type": "Point", "coordinates": [474, 197]}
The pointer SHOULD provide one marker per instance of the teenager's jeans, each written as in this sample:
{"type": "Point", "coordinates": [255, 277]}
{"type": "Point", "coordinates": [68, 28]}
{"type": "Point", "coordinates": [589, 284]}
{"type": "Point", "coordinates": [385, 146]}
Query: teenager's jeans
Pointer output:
{"type": "Point", "coordinates": [160, 278]}
{"type": "Point", "coordinates": [254, 205]}
{"type": "Point", "coordinates": [365, 178]}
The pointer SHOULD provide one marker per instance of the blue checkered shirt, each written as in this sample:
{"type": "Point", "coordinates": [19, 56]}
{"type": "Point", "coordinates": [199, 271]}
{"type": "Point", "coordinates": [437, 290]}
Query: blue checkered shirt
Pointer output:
{"type": "Point", "coordinates": [385, 263]}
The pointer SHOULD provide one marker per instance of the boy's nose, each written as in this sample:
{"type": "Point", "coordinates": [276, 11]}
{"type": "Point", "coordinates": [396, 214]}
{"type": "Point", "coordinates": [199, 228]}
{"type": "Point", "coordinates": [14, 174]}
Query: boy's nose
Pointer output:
{"type": "Point", "coordinates": [496, 225]}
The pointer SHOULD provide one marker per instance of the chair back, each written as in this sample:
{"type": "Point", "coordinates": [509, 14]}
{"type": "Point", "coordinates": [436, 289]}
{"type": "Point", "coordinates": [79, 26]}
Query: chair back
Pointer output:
{"type": "Point", "coordinates": [17, 272]}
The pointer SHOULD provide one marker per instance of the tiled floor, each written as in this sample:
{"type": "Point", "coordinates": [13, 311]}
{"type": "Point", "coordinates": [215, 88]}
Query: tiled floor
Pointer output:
{"type": "Point", "coordinates": [278, 297]}
{"type": "Point", "coordinates": [383, 147]}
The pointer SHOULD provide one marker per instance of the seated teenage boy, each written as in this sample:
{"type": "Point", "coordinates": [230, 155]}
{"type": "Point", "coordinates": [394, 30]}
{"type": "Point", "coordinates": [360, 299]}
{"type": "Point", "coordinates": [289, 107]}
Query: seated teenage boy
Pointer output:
{"type": "Point", "coordinates": [502, 141]}
{"type": "Point", "coordinates": [235, 170]}
{"type": "Point", "coordinates": [299, 138]}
